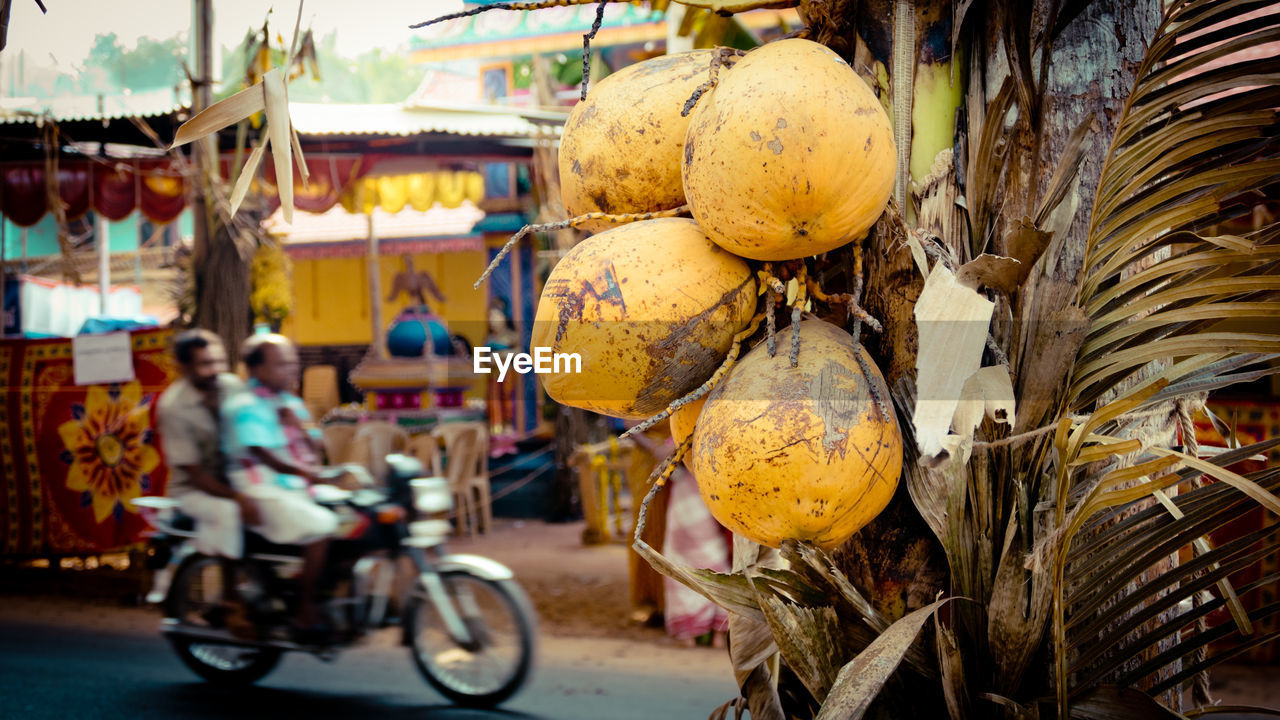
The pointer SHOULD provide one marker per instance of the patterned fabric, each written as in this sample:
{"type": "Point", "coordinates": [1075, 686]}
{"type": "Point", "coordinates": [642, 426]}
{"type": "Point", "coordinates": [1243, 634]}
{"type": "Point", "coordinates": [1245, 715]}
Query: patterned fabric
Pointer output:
{"type": "Point", "coordinates": [693, 538]}
{"type": "Point", "coordinates": [74, 456]}
{"type": "Point", "coordinates": [249, 421]}
{"type": "Point", "coordinates": [299, 431]}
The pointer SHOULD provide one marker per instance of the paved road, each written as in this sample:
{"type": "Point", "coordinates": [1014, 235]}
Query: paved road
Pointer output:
{"type": "Point", "coordinates": [76, 670]}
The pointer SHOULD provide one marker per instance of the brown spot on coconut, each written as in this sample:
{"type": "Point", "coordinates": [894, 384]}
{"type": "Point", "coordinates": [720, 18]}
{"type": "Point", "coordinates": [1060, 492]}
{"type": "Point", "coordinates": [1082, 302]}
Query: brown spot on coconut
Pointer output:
{"type": "Point", "coordinates": [651, 308]}
{"type": "Point", "coordinates": [797, 435]}
{"type": "Point", "coordinates": [642, 99]}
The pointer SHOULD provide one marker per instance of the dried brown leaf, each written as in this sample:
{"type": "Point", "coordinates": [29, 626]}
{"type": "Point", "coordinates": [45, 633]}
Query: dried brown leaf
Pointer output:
{"type": "Point", "coordinates": [1019, 610]}
{"type": "Point", "coordinates": [861, 679]}
{"type": "Point", "coordinates": [278, 128]}
{"type": "Point", "coordinates": [222, 114]}
{"type": "Point", "coordinates": [1026, 243]}
{"type": "Point", "coordinates": [807, 637]}
{"type": "Point", "coordinates": [992, 271]}
{"type": "Point", "coordinates": [1108, 702]}
{"type": "Point", "coordinates": [732, 592]}
{"type": "Point", "coordinates": [247, 173]}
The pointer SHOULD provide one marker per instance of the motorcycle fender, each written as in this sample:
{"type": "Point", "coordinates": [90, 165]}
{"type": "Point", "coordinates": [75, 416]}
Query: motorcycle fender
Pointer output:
{"type": "Point", "coordinates": [479, 566]}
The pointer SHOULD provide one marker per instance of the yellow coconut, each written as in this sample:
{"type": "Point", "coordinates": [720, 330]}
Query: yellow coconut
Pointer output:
{"type": "Point", "coordinates": [684, 420]}
{"type": "Point", "coordinates": [798, 453]}
{"type": "Point", "coordinates": [649, 308]}
{"type": "Point", "coordinates": [620, 151]}
{"type": "Point", "coordinates": [792, 155]}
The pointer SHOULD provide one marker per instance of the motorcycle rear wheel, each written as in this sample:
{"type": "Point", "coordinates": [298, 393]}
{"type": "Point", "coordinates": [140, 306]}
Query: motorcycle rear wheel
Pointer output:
{"type": "Point", "coordinates": [196, 588]}
{"type": "Point", "coordinates": [501, 618]}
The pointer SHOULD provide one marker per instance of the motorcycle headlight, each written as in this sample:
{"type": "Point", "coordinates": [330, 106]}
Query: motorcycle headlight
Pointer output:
{"type": "Point", "coordinates": [431, 495]}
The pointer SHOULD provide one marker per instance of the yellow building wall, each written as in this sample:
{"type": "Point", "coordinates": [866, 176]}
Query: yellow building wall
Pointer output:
{"type": "Point", "coordinates": [332, 303]}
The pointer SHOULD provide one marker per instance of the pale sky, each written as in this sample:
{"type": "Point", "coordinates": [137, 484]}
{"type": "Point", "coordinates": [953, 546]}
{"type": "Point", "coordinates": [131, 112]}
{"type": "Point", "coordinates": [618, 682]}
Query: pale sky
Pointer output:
{"type": "Point", "coordinates": [68, 30]}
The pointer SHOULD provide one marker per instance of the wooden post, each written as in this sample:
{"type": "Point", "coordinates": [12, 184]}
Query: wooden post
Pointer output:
{"type": "Point", "coordinates": [205, 162]}
{"type": "Point", "coordinates": [103, 241]}
{"type": "Point", "coordinates": [375, 291]}
{"type": "Point", "coordinates": [675, 43]}
{"type": "Point", "coordinates": [516, 309]}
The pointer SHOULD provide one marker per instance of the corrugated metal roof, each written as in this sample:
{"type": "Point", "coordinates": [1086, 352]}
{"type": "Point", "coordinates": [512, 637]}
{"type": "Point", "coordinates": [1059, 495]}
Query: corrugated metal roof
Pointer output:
{"type": "Point", "coordinates": [337, 225]}
{"type": "Point", "coordinates": [405, 120]}
{"type": "Point", "coordinates": [73, 108]}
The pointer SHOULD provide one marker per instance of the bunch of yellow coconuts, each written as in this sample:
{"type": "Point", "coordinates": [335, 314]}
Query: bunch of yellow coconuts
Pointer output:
{"type": "Point", "coordinates": [786, 154]}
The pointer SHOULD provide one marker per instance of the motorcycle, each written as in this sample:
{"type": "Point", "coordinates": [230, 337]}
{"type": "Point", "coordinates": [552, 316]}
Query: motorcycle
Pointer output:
{"type": "Point", "coordinates": [470, 628]}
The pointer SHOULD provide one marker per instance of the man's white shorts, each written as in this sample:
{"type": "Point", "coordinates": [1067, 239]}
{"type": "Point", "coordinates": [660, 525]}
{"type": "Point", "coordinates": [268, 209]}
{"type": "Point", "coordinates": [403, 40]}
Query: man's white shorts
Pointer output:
{"type": "Point", "coordinates": [290, 517]}
{"type": "Point", "coordinates": [218, 529]}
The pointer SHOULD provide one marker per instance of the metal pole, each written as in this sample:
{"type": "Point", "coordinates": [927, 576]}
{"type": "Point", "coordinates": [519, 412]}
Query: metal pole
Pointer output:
{"type": "Point", "coordinates": [104, 262]}
{"type": "Point", "coordinates": [375, 290]}
{"type": "Point", "coordinates": [23, 234]}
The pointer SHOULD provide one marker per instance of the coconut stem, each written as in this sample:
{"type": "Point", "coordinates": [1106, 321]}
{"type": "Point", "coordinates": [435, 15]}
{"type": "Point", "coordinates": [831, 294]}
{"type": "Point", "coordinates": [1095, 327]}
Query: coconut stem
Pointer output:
{"type": "Point", "coordinates": [797, 307]}
{"type": "Point", "coordinates": [718, 60]}
{"type": "Point", "coordinates": [705, 387]}
{"type": "Point", "coordinates": [770, 309]}
{"type": "Point", "coordinates": [774, 290]}
{"type": "Point", "coordinates": [859, 317]}
{"type": "Point", "coordinates": [573, 223]}
{"type": "Point", "coordinates": [504, 6]}
{"type": "Point", "coordinates": [849, 300]}
{"type": "Point", "coordinates": [586, 47]}
{"type": "Point", "coordinates": [659, 478]}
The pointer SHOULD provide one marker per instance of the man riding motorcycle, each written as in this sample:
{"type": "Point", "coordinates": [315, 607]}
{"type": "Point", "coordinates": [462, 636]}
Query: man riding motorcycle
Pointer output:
{"type": "Point", "coordinates": [262, 467]}
{"type": "Point", "coordinates": [188, 417]}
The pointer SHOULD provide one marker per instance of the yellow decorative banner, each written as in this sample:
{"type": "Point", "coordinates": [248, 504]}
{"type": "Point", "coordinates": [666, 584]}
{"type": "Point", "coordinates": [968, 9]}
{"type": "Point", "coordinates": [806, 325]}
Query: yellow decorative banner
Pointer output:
{"type": "Point", "coordinates": [419, 190]}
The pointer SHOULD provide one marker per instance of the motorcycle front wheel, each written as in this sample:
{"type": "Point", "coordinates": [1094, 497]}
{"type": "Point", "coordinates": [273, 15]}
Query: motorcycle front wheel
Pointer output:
{"type": "Point", "coordinates": [196, 589]}
{"type": "Point", "coordinates": [497, 662]}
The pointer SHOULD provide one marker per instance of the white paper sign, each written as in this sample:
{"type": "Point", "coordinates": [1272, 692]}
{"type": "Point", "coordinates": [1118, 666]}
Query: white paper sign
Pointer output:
{"type": "Point", "coordinates": [101, 359]}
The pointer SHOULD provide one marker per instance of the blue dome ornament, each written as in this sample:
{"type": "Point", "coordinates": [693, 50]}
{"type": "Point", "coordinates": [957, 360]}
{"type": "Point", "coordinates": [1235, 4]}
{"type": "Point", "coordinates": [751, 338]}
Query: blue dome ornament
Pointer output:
{"type": "Point", "coordinates": [412, 329]}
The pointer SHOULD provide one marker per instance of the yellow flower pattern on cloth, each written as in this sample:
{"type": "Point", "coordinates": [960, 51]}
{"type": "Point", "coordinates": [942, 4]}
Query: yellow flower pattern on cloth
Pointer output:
{"type": "Point", "coordinates": [108, 443]}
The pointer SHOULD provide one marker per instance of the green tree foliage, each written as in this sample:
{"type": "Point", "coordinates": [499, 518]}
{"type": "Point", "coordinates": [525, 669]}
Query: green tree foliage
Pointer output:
{"type": "Point", "coordinates": [376, 76]}
{"type": "Point", "coordinates": [111, 67]}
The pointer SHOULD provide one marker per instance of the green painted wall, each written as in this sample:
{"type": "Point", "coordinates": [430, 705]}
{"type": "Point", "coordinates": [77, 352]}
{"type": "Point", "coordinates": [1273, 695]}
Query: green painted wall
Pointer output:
{"type": "Point", "coordinates": [42, 238]}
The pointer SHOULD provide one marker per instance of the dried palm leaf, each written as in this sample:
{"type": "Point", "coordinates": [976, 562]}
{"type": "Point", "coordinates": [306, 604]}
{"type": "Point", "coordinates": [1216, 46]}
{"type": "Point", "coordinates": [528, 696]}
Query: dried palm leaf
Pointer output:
{"type": "Point", "coordinates": [271, 94]}
{"type": "Point", "coordinates": [1190, 147]}
{"type": "Point", "coordinates": [1193, 142]}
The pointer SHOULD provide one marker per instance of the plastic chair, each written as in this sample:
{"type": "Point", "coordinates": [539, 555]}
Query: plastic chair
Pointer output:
{"type": "Point", "coordinates": [447, 430]}
{"type": "Point", "coordinates": [426, 448]}
{"type": "Point", "coordinates": [320, 389]}
{"type": "Point", "coordinates": [466, 468]}
{"type": "Point", "coordinates": [374, 441]}
{"type": "Point", "coordinates": [337, 442]}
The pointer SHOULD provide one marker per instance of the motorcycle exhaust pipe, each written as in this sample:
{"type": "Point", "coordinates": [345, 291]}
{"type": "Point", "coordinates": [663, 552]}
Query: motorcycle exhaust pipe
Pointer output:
{"type": "Point", "coordinates": [170, 627]}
